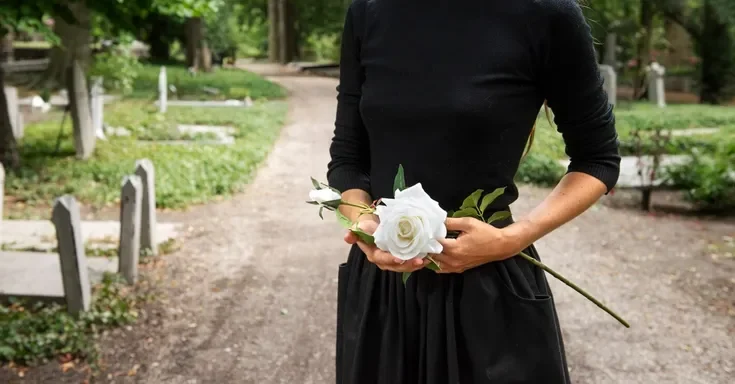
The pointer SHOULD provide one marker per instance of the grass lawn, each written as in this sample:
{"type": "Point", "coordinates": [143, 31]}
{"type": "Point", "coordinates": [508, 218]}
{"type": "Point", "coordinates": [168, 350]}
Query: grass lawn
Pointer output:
{"type": "Point", "coordinates": [231, 84]}
{"type": "Point", "coordinates": [185, 174]}
{"type": "Point", "coordinates": [541, 166]}
{"type": "Point", "coordinates": [645, 116]}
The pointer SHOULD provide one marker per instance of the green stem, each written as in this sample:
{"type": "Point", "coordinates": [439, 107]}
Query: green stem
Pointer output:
{"type": "Point", "coordinates": [363, 207]}
{"type": "Point", "coordinates": [575, 287]}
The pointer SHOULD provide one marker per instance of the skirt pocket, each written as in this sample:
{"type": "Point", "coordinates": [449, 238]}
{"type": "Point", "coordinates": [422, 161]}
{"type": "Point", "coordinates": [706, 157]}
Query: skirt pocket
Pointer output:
{"type": "Point", "coordinates": [511, 330]}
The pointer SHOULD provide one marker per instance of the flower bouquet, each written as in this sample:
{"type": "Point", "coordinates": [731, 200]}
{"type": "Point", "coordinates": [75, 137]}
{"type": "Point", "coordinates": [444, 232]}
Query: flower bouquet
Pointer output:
{"type": "Point", "coordinates": [412, 223]}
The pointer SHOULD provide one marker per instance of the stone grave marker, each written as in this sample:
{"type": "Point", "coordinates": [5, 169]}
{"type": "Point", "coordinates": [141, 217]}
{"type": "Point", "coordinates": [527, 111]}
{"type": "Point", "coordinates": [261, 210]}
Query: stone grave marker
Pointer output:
{"type": "Point", "coordinates": [130, 212]}
{"type": "Point", "coordinates": [610, 82]}
{"type": "Point", "coordinates": [162, 91]}
{"type": "Point", "coordinates": [656, 89]}
{"type": "Point", "coordinates": [97, 104]}
{"type": "Point", "coordinates": [16, 118]}
{"type": "Point", "coordinates": [74, 273]}
{"type": "Point", "coordinates": [145, 170]}
{"type": "Point", "coordinates": [611, 48]}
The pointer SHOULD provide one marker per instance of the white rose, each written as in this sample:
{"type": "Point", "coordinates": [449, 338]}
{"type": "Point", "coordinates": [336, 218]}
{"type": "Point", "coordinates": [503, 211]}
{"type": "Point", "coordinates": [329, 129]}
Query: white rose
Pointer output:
{"type": "Point", "coordinates": [411, 224]}
{"type": "Point", "coordinates": [323, 195]}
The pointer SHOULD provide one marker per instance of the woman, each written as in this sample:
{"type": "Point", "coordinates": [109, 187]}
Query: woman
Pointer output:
{"type": "Point", "coordinates": [451, 90]}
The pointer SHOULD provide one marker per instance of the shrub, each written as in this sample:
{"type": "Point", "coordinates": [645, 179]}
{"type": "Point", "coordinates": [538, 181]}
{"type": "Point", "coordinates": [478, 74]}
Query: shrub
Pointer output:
{"type": "Point", "coordinates": [709, 178]}
{"type": "Point", "coordinates": [539, 169]}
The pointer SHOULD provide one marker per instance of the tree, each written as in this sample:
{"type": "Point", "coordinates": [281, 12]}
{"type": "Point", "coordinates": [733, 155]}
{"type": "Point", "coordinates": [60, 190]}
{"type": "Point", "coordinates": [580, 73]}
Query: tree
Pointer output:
{"type": "Point", "coordinates": [711, 24]}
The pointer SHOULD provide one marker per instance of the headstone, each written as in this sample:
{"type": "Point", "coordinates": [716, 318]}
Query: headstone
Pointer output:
{"type": "Point", "coordinates": [16, 119]}
{"type": "Point", "coordinates": [656, 90]}
{"type": "Point", "coordinates": [97, 103]}
{"type": "Point", "coordinates": [610, 82]}
{"type": "Point", "coordinates": [145, 170]}
{"type": "Point", "coordinates": [162, 90]}
{"type": "Point", "coordinates": [130, 212]}
{"type": "Point", "coordinates": [74, 275]}
{"type": "Point", "coordinates": [611, 48]}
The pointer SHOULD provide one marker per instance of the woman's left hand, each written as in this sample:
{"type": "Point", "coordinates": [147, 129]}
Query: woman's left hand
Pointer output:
{"type": "Point", "coordinates": [478, 243]}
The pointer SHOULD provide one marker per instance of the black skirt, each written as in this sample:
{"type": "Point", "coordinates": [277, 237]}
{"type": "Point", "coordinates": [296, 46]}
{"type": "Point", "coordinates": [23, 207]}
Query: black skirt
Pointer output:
{"type": "Point", "coordinates": [496, 323]}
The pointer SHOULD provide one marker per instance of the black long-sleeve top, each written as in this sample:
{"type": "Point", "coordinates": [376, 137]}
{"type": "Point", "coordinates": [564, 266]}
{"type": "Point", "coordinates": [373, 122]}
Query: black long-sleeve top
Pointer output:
{"type": "Point", "coordinates": [451, 90]}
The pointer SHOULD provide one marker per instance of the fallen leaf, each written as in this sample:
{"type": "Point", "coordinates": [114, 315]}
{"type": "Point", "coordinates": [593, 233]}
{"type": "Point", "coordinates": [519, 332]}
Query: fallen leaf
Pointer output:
{"type": "Point", "coordinates": [67, 366]}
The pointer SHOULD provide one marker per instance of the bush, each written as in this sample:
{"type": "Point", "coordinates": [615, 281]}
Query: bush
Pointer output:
{"type": "Point", "coordinates": [709, 178]}
{"type": "Point", "coordinates": [118, 67]}
{"type": "Point", "coordinates": [539, 169]}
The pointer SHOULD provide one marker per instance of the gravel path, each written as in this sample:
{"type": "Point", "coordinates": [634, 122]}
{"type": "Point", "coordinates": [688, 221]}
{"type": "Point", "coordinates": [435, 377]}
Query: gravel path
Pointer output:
{"type": "Point", "coordinates": [251, 297]}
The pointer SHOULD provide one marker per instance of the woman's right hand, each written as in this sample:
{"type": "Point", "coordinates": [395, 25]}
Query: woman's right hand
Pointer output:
{"type": "Point", "coordinates": [382, 259]}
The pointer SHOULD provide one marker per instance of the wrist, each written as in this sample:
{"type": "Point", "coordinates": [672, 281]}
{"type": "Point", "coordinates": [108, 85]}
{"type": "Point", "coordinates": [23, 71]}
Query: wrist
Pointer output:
{"type": "Point", "coordinates": [517, 237]}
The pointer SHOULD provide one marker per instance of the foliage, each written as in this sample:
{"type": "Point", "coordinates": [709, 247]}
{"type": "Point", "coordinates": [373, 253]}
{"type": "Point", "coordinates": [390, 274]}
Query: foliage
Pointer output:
{"type": "Point", "coordinates": [230, 83]}
{"type": "Point", "coordinates": [119, 68]}
{"type": "Point", "coordinates": [36, 333]}
{"type": "Point", "coordinates": [185, 174]}
{"type": "Point", "coordinates": [539, 169]}
{"type": "Point", "coordinates": [709, 178]}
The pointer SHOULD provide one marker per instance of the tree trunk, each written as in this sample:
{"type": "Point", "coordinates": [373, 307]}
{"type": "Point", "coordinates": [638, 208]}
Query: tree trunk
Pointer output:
{"type": "Point", "coordinates": [717, 50]}
{"type": "Point", "coordinates": [74, 58]}
{"type": "Point", "coordinates": [273, 28]}
{"type": "Point", "coordinates": [6, 47]}
{"type": "Point", "coordinates": [158, 39]}
{"type": "Point", "coordinates": [84, 135]}
{"type": "Point", "coordinates": [643, 49]}
{"type": "Point", "coordinates": [204, 54]}
{"type": "Point", "coordinates": [9, 156]}
{"type": "Point", "coordinates": [193, 39]}
{"type": "Point", "coordinates": [286, 32]}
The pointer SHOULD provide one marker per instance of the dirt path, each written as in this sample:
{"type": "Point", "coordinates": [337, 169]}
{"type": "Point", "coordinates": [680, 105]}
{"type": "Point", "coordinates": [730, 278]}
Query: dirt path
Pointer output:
{"type": "Point", "coordinates": [251, 297]}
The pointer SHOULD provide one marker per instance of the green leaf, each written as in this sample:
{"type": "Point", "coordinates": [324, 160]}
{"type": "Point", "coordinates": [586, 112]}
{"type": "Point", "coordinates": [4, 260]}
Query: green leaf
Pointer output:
{"type": "Point", "coordinates": [502, 215]}
{"type": "Point", "coordinates": [333, 203]}
{"type": "Point", "coordinates": [468, 212]}
{"type": "Point", "coordinates": [321, 209]}
{"type": "Point", "coordinates": [472, 200]}
{"type": "Point", "coordinates": [315, 183]}
{"type": "Point", "coordinates": [312, 202]}
{"type": "Point", "coordinates": [364, 236]}
{"type": "Point", "coordinates": [432, 266]}
{"type": "Point", "coordinates": [490, 197]}
{"type": "Point", "coordinates": [406, 275]}
{"type": "Point", "coordinates": [399, 183]}
{"type": "Point", "coordinates": [343, 220]}
{"type": "Point", "coordinates": [450, 213]}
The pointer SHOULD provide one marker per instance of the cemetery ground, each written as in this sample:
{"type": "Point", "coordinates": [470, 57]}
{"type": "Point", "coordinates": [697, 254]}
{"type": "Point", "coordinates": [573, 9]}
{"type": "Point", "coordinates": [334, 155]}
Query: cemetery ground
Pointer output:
{"type": "Point", "coordinates": [249, 295]}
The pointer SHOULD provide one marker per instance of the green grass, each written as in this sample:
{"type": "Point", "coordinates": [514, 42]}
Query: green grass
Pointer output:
{"type": "Point", "coordinates": [230, 83]}
{"type": "Point", "coordinates": [644, 116]}
{"type": "Point", "coordinates": [185, 174]}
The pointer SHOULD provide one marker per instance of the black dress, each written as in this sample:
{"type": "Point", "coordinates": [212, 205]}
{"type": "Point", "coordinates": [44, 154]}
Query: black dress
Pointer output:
{"type": "Point", "coordinates": [451, 90]}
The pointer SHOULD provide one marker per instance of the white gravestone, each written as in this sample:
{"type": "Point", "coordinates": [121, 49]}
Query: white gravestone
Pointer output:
{"type": "Point", "coordinates": [162, 90]}
{"type": "Point", "coordinates": [610, 82]}
{"type": "Point", "coordinates": [97, 104]}
{"type": "Point", "coordinates": [656, 90]}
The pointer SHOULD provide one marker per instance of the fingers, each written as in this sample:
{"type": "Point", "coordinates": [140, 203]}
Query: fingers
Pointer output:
{"type": "Point", "coordinates": [448, 264]}
{"type": "Point", "coordinates": [463, 224]}
{"type": "Point", "coordinates": [350, 237]}
{"type": "Point", "coordinates": [388, 262]}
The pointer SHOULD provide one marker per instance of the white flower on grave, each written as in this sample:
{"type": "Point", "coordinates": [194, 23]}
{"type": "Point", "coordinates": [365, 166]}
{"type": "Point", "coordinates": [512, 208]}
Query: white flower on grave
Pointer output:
{"type": "Point", "coordinates": [323, 195]}
{"type": "Point", "coordinates": [411, 224]}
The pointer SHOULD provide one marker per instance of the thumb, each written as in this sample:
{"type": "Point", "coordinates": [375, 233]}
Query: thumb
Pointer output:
{"type": "Point", "coordinates": [350, 237]}
{"type": "Point", "coordinates": [462, 224]}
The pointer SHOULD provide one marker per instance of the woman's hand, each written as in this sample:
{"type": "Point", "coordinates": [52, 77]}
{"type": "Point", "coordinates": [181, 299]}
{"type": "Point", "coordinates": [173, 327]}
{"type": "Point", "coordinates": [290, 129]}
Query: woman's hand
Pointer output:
{"type": "Point", "coordinates": [382, 259]}
{"type": "Point", "coordinates": [478, 243]}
